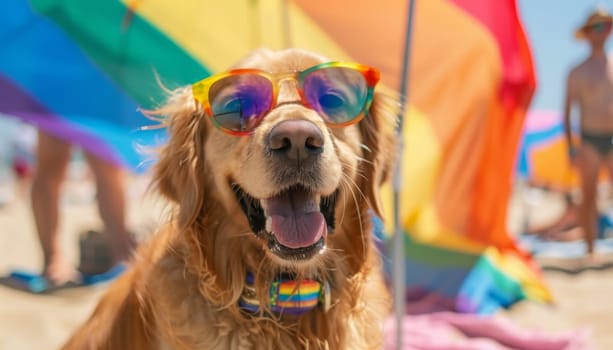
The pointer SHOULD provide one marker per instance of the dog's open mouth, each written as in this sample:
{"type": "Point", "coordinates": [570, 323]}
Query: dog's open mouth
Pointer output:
{"type": "Point", "coordinates": [294, 222]}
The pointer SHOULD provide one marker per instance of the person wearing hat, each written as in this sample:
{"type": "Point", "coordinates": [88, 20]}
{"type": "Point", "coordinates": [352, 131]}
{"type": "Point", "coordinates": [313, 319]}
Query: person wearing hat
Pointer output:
{"type": "Point", "coordinates": [589, 87]}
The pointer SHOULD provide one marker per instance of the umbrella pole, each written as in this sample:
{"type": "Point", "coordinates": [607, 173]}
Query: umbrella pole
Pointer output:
{"type": "Point", "coordinates": [398, 240]}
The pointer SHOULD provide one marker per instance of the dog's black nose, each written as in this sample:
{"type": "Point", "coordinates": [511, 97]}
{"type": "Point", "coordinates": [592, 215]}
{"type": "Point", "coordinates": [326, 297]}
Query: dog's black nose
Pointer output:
{"type": "Point", "coordinates": [296, 139]}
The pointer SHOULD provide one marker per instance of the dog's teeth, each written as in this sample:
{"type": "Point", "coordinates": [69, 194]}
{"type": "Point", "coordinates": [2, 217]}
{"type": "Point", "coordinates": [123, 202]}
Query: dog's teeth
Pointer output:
{"type": "Point", "coordinates": [269, 224]}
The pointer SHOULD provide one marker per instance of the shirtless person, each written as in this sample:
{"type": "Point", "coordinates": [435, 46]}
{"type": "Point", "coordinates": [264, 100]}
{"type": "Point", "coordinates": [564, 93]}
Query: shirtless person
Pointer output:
{"type": "Point", "coordinates": [590, 88]}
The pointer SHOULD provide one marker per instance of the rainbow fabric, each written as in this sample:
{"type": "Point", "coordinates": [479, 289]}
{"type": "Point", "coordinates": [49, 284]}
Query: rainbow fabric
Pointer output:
{"type": "Point", "coordinates": [470, 88]}
{"type": "Point", "coordinates": [85, 83]}
{"type": "Point", "coordinates": [543, 158]}
{"type": "Point", "coordinates": [471, 80]}
{"type": "Point", "coordinates": [543, 152]}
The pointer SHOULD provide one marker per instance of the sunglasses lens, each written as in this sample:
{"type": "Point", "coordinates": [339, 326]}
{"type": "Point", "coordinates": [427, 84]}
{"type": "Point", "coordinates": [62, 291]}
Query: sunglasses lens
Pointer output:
{"type": "Point", "coordinates": [600, 27]}
{"type": "Point", "coordinates": [238, 102]}
{"type": "Point", "coordinates": [337, 93]}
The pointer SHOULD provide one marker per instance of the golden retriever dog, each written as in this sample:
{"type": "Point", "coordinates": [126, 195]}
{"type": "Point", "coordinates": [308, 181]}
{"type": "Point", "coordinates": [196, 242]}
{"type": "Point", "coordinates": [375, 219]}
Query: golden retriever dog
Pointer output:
{"type": "Point", "coordinates": [272, 171]}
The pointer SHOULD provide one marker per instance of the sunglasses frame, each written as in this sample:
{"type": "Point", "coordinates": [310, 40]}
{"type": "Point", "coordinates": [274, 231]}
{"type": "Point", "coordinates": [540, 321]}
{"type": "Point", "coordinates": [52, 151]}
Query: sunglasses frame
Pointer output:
{"type": "Point", "coordinates": [200, 90]}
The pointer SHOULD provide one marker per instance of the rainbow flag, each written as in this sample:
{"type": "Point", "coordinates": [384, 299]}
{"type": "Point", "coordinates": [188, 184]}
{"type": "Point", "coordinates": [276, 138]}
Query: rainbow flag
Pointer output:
{"type": "Point", "coordinates": [471, 80]}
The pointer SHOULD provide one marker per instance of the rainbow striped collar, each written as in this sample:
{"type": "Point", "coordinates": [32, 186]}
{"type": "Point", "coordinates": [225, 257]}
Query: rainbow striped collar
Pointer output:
{"type": "Point", "coordinates": [288, 296]}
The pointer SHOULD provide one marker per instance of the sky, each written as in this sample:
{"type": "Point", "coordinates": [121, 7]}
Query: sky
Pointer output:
{"type": "Point", "coordinates": [550, 26]}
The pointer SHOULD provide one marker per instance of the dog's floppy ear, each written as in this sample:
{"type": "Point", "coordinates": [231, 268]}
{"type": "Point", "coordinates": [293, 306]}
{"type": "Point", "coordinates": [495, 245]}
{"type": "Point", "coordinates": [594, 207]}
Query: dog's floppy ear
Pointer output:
{"type": "Point", "coordinates": [180, 167]}
{"type": "Point", "coordinates": [379, 140]}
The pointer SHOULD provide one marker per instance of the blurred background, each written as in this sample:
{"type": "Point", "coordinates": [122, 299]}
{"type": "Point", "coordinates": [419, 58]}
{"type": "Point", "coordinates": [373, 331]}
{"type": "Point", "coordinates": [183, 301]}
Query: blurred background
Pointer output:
{"type": "Point", "coordinates": [487, 187]}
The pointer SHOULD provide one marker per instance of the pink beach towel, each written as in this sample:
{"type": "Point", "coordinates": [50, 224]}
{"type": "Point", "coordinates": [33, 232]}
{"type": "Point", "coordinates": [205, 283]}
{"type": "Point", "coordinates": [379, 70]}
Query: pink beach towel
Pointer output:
{"type": "Point", "coordinates": [453, 331]}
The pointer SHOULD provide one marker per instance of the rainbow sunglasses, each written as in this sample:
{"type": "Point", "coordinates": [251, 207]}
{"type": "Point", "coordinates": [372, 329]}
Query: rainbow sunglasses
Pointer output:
{"type": "Point", "coordinates": [237, 101]}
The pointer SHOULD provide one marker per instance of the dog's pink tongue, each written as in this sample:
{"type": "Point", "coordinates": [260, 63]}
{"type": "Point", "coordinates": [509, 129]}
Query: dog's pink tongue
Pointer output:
{"type": "Point", "coordinates": [295, 219]}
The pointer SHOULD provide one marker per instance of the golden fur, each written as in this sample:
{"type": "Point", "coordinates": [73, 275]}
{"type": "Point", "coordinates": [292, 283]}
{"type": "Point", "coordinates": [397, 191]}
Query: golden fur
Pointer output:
{"type": "Point", "coordinates": [183, 287]}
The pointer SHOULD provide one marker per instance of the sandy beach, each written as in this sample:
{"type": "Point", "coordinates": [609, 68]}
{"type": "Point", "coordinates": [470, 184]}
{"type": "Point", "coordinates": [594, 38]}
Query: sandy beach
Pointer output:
{"type": "Point", "coordinates": [45, 321]}
{"type": "Point", "coordinates": [582, 302]}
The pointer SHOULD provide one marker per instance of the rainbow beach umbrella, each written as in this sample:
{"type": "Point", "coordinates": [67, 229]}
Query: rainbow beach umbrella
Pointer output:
{"type": "Point", "coordinates": [543, 153]}
{"type": "Point", "coordinates": [472, 79]}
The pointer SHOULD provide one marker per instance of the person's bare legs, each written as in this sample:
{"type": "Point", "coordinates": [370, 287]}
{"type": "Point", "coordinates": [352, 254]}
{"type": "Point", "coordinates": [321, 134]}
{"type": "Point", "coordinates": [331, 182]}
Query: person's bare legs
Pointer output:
{"type": "Point", "coordinates": [111, 205]}
{"type": "Point", "coordinates": [52, 158]}
{"type": "Point", "coordinates": [588, 163]}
